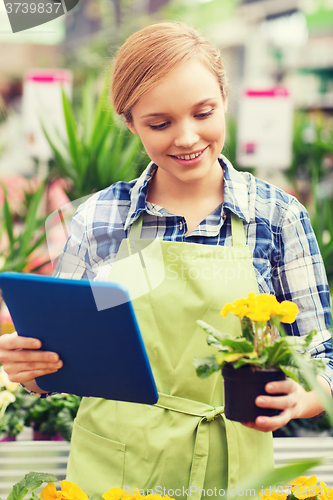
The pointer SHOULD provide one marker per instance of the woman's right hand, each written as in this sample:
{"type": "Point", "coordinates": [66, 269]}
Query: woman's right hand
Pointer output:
{"type": "Point", "coordinates": [23, 361]}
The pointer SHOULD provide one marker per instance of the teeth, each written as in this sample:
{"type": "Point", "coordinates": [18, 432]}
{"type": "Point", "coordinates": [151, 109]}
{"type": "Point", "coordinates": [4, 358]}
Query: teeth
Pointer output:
{"type": "Point", "coordinates": [189, 157]}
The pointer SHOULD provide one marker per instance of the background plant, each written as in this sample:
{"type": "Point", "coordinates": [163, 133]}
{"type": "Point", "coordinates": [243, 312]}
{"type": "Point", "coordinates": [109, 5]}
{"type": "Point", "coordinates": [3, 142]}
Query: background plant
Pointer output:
{"type": "Point", "coordinates": [54, 414]}
{"type": "Point", "coordinates": [14, 417]}
{"type": "Point", "coordinates": [98, 149]}
{"type": "Point", "coordinates": [20, 238]}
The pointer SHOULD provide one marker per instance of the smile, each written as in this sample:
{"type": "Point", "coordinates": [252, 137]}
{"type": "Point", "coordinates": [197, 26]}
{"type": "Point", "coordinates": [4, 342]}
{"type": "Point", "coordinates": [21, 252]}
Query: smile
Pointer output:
{"type": "Point", "coordinates": [190, 156]}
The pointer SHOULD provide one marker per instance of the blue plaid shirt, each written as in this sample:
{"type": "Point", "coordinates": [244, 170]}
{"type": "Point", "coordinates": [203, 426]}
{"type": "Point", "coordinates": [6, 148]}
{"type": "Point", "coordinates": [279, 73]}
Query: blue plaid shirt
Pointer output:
{"type": "Point", "coordinates": [285, 252]}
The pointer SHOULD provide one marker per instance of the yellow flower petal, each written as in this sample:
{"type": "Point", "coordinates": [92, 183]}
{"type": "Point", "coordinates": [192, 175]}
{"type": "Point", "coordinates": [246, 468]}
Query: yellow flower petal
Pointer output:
{"type": "Point", "coordinates": [71, 491]}
{"type": "Point", "coordinates": [274, 496]}
{"type": "Point", "coordinates": [118, 494]}
{"type": "Point", "coordinates": [50, 492]}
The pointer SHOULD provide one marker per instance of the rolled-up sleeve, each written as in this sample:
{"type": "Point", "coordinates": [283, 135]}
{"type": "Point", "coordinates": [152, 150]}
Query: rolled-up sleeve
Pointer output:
{"type": "Point", "coordinates": [300, 276]}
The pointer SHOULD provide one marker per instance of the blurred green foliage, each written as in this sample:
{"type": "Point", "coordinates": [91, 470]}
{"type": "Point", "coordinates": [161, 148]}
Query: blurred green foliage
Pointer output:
{"type": "Point", "coordinates": [54, 414]}
{"type": "Point", "coordinates": [98, 149]}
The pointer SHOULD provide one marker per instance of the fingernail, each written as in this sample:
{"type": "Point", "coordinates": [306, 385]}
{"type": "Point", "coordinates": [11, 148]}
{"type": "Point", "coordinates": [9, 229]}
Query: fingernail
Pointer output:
{"type": "Point", "coordinates": [270, 387]}
{"type": "Point", "coordinates": [261, 400]}
{"type": "Point", "coordinates": [53, 357]}
{"type": "Point", "coordinates": [261, 420]}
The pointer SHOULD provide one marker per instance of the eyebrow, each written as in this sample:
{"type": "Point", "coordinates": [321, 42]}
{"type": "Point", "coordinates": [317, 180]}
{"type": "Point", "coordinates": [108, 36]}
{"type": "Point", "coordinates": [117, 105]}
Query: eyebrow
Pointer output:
{"type": "Point", "coordinates": [150, 115]}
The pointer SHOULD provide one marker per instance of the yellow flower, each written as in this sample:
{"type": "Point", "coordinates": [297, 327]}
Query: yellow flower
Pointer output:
{"type": "Point", "coordinates": [303, 481]}
{"type": "Point", "coordinates": [71, 491]}
{"type": "Point", "coordinates": [304, 487]}
{"type": "Point", "coordinates": [262, 308]}
{"type": "Point", "coordinates": [326, 492]}
{"type": "Point", "coordinates": [119, 494]}
{"type": "Point", "coordinates": [152, 496]}
{"type": "Point", "coordinates": [50, 492]}
{"type": "Point", "coordinates": [274, 496]}
{"type": "Point", "coordinates": [288, 311]}
{"type": "Point", "coordinates": [5, 382]}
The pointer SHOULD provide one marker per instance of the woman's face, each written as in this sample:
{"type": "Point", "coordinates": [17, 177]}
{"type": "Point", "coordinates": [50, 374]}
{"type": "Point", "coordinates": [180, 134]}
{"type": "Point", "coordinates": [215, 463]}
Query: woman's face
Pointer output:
{"type": "Point", "coordinates": [181, 123]}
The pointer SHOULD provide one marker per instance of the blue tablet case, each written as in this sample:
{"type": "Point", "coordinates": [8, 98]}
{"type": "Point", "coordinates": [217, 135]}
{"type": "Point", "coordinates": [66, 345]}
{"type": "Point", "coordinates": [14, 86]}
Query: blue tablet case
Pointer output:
{"type": "Point", "coordinates": [102, 350]}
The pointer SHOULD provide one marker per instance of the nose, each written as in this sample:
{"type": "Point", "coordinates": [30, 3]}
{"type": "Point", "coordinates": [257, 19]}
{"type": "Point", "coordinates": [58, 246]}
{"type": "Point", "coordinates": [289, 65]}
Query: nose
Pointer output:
{"type": "Point", "coordinates": [186, 135]}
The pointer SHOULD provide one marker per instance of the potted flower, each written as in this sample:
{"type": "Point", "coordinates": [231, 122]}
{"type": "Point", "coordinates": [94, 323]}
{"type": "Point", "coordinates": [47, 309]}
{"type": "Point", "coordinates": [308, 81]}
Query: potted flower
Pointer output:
{"type": "Point", "coordinates": [262, 353]}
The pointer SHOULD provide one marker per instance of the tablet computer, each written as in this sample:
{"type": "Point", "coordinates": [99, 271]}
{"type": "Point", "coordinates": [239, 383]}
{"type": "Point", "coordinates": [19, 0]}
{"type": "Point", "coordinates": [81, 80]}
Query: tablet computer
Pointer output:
{"type": "Point", "coordinates": [93, 328]}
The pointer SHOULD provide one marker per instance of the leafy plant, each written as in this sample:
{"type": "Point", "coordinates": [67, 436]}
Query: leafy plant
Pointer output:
{"type": "Point", "coordinates": [263, 343]}
{"type": "Point", "coordinates": [54, 414]}
{"type": "Point", "coordinates": [98, 149]}
{"type": "Point", "coordinates": [322, 224]}
{"type": "Point", "coordinates": [312, 142]}
{"type": "Point", "coordinates": [13, 419]}
{"type": "Point", "coordinates": [30, 482]}
{"type": "Point", "coordinates": [20, 241]}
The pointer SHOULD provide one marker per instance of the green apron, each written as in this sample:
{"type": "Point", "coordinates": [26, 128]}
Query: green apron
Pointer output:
{"type": "Point", "coordinates": [183, 446]}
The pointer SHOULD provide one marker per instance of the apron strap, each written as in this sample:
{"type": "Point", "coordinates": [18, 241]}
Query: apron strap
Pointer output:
{"type": "Point", "coordinates": [135, 229]}
{"type": "Point", "coordinates": [237, 231]}
{"type": "Point", "coordinates": [206, 413]}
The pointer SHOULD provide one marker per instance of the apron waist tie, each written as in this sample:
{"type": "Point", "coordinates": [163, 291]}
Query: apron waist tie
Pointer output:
{"type": "Point", "coordinates": [206, 413]}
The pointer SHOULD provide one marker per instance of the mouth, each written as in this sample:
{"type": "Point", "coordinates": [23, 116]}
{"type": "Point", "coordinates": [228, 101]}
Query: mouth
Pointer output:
{"type": "Point", "coordinates": [190, 156]}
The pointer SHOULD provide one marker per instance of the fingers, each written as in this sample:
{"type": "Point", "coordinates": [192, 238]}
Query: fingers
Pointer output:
{"type": "Point", "coordinates": [23, 361]}
{"type": "Point", "coordinates": [270, 424]}
{"type": "Point", "coordinates": [287, 403]}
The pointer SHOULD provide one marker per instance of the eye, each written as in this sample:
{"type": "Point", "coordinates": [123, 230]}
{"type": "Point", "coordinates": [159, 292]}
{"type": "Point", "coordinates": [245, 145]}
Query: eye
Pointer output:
{"type": "Point", "coordinates": [161, 126]}
{"type": "Point", "coordinates": [205, 115]}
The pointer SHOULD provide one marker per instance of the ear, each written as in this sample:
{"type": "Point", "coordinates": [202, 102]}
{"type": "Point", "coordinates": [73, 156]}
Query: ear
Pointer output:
{"type": "Point", "coordinates": [131, 126]}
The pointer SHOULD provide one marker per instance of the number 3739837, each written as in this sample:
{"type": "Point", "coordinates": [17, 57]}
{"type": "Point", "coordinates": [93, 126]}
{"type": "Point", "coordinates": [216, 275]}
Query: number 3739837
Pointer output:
{"type": "Point", "coordinates": [32, 8]}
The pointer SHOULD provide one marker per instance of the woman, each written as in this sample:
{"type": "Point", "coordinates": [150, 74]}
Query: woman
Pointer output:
{"type": "Point", "coordinates": [222, 234]}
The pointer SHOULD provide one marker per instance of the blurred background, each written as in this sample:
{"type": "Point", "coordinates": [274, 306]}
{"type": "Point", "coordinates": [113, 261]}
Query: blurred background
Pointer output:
{"type": "Point", "coordinates": [60, 140]}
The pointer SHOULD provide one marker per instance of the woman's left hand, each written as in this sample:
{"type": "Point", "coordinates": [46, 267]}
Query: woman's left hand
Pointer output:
{"type": "Point", "coordinates": [291, 404]}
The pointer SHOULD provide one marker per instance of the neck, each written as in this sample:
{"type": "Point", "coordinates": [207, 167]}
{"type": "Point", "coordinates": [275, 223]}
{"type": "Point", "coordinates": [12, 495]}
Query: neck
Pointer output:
{"type": "Point", "coordinates": [166, 190]}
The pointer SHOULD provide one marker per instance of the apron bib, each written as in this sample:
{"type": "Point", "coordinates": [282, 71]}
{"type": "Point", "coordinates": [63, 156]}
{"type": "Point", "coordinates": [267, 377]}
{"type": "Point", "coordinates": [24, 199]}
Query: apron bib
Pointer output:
{"type": "Point", "coordinates": [182, 446]}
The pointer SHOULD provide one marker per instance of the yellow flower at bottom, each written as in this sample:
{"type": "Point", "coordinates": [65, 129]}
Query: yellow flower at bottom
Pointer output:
{"type": "Point", "coordinates": [118, 494]}
{"type": "Point", "coordinates": [71, 491]}
{"type": "Point", "coordinates": [305, 487]}
{"type": "Point", "coordinates": [50, 492]}
{"type": "Point", "coordinates": [326, 492]}
{"type": "Point", "coordinates": [274, 496]}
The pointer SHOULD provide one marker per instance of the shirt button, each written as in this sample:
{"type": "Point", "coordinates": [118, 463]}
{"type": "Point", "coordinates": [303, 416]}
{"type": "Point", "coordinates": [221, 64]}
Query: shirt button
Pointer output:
{"type": "Point", "coordinates": [224, 216]}
{"type": "Point", "coordinates": [180, 225]}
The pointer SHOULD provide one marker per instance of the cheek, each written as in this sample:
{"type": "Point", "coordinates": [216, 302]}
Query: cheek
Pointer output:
{"type": "Point", "coordinates": [155, 144]}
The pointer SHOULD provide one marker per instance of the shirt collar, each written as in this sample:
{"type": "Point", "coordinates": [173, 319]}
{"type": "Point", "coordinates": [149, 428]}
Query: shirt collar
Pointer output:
{"type": "Point", "coordinates": [235, 195]}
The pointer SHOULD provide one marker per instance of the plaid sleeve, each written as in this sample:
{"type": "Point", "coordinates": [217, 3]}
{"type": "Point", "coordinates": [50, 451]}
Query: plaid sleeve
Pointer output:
{"type": "Point", "coordinates": [74, 262]}
{"type": "Point", "coordinates": [300, 276]}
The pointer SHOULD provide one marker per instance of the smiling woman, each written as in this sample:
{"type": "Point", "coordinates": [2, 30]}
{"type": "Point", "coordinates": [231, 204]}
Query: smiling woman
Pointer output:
{"type": "Point", "coordinates": [214, 235]}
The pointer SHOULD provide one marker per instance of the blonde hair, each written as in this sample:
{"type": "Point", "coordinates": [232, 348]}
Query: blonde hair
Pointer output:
{"type": "Point", "coordinates": [150, 54]}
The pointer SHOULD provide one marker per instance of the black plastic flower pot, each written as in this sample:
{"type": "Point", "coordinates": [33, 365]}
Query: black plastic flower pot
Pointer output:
{"type": "Point", "coordinates": [242, 386]}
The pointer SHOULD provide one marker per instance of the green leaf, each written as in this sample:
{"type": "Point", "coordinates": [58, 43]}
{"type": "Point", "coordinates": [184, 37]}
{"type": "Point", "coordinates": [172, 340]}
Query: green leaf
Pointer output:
{"type": "Point", "coordinates": [214, 342]}
{"type": "Point", "coordinates": [281, 475]}
{"type": "Point", "coordinates": [71, 131]}
{"type": "Point", "coordinates": [9, 224]}
{"type": "Point", "coordinates": [238, 345]}
{"type": "Point", "coordinates": [310, 376]}
{"type": "Point", "coordinates": [247, 329]}
{"type": "Point", "coordinates": [30, 482]}
{"type": "Point", "coordinates": [30, 221]}
{"type": "Point", "coordinates": [291, 372]}
{"type": "Point", "coordinates": [231, 357]}
{"type": "Point", "coordinates": [213, 331]}
{"type": "Point", "coordinates": [206, 366]}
